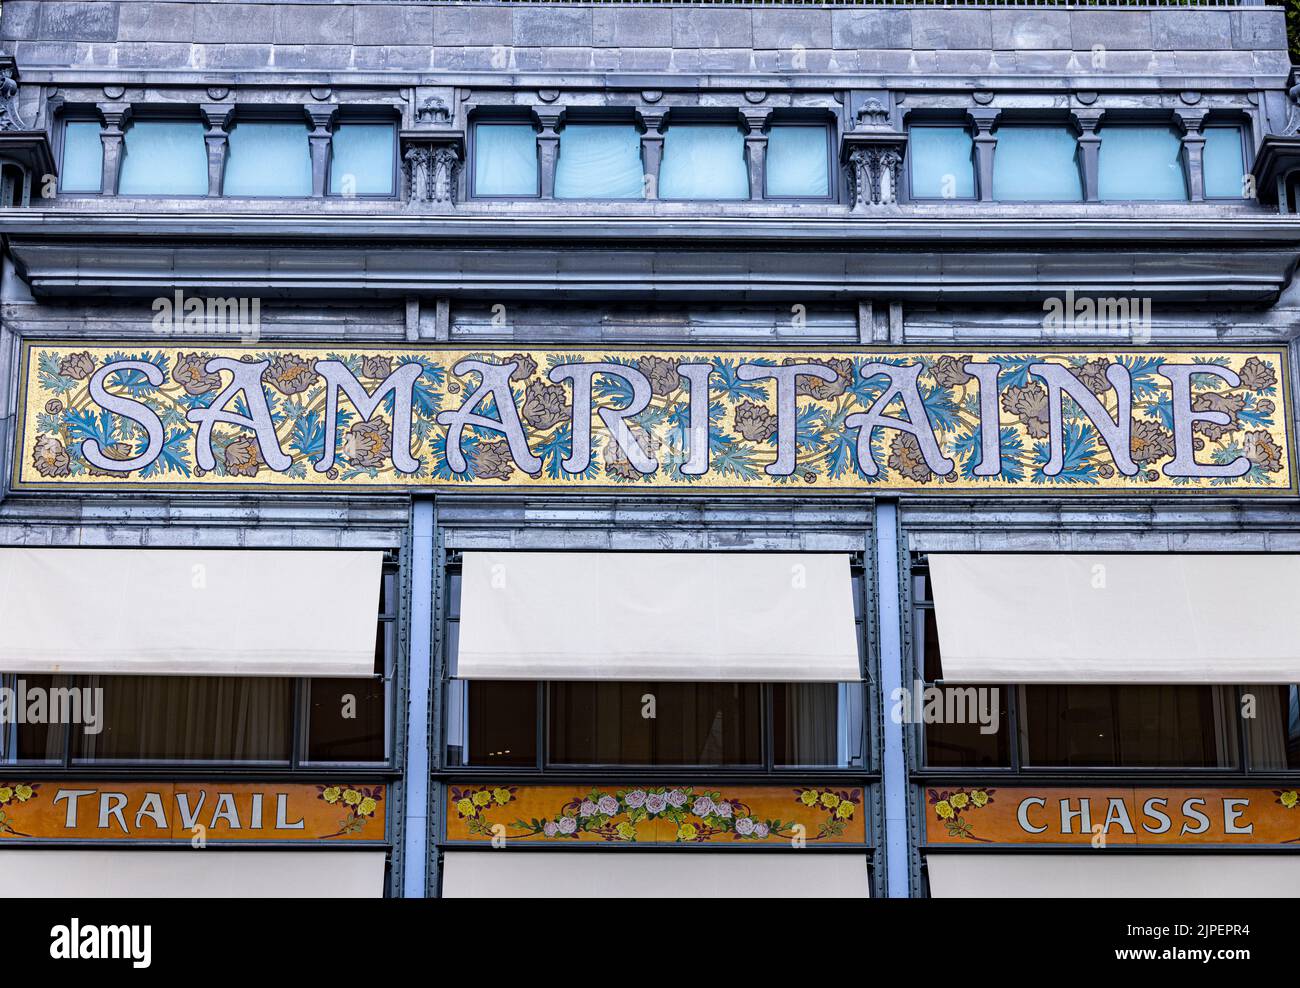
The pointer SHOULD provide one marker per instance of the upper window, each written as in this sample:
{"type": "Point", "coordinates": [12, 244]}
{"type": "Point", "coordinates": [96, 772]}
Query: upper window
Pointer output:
{"type": "Point", "coordinates": [164, 158]}
{"type": "Point", "coordinates": [942, 162]}
{"type": "Point", "coordinates": [505, 160]}
{"type": "Point", "coordinates": [1223, 163]}
{"type": "Point", "coordinates": [704, 161]}
{"type": "Point", "coordinates": [1036, 163]}
{"type": "Point", "coordinates": [82, 165]}
{"type": "Point", "coordinates": [1141, 162]}
{"type": "Point", "coordinates": [798, 162]}
{"type": "Point", "coordinates": [600, 161]}
{"type": "Point", "coordinates": [363, 159]}
{"type": "Point", "coordinates": [268, 158]}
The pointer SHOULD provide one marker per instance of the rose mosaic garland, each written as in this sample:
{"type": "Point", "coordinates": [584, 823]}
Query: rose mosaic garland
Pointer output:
{"type": "Point", "coordinates": [657, 814]}
{"type": "Point", "coordinates": [111, 416]}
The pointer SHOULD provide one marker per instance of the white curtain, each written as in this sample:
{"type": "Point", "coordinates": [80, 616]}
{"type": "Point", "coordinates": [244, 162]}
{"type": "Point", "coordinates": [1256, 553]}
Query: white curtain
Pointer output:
{"type": "Point", "coordinates": [704, 161]}
{"type": "Point", "coordinates": [505, 160]}
{"type": "Point", "coordinates": [599, 161]}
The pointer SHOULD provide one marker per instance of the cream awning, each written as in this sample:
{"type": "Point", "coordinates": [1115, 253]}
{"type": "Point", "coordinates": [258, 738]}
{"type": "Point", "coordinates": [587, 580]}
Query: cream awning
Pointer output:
{"type": "Point", "coordinates": [766, 617]}
{"type": "Point", "coordinates": [227, 612]}
{"type": "Point", "coordinates": [188, 874]}
{"type": "Point", "coordinates": [1117, 618]}
{"type": "Point", "coordinates": [654, 875]}
{"type": "Point", "coordinates": [1109, 874]}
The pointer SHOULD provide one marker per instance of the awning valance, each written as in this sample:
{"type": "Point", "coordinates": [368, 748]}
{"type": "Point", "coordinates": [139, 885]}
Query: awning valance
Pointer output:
{"type": "Point", "coordinates": [765, 617]}
{"type": "Point", "coordinates": [668, 875]}
{"type": "Point", "coordinates": [1112, 875]}
{"type": "Point", "coordinates": [1117, 618]}
{"type": "Point", "coordinates": [227, 612]}
{"type": "Point", "coordinates": [183, 874]}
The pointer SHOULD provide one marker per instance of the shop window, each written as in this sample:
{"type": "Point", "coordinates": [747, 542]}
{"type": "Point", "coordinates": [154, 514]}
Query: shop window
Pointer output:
{"type": "Point", "coordinates": [363, 159]}
{"type": "Point", "coordinates": [1274, 730]}
{"type": "Point", "coordinates": [268, 158]}
{"type": "Point", "coordinates": [1141, 162]}
{"type": "Point", "coordinates": [599, 161]}
{"type": "Point", "coordinates": [798, 162]}
{"type": "Point", "coordinates": [941, 162]}
{"type": "Point", "coordinates": [505, 160]}
{"type": "Point", "coordinates": [704, 161]}
{"type": "Point", "coordinates": [1223, 163]}
{"type": "Point", "coordinates": [1036, 163]}
{"type": "Point", "coordinates": [1128, 727]}
{"type": "Point", "coordinates": [82, 166]}
{"type": "Point", "coordinates": [572, 725]}
{"type": "Point", "coordinates": [241, 720]}
{"type": "Point", "coordinates": [164, 158]}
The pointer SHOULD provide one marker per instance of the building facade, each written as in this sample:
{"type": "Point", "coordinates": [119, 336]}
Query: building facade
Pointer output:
{"type": "Point", "coordinates": [505, 449]}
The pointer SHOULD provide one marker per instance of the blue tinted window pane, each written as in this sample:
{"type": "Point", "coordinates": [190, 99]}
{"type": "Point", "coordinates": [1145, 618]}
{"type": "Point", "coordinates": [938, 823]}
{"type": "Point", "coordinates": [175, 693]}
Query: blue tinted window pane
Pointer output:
{"type": "Point", "coordinates": [268, 159]}
{"type": "Point", "coordinates": [1141, 163]}
{"type": "Point", "coordinates": [704, 161]}
{"type": "Point", "coordinates": [797, 162]}
{"type": "Point", "coordinates": [599, 161]}
{"type": "Point", "coordinates": [505, 160]}
{"type": "Point", "coordinates": [1036, 164]}
{"type": "Point", "coordinates": [1223, 163]}
{"type": "Point", "coordinates": [361, 162]}
{"type": "Point", "coordinates": [942, 162]}
{"type": "Point", "coordinates": [82, 168]}
{"type": "Point", "coordinates": [164, 158]}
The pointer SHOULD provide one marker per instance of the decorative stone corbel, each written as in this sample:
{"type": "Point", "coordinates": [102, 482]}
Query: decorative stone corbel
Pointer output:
{"type": "Point", "coordinates": [548, 146]}
{"type": "Point", "coordinates": [218, 118]}
{"type": "Point", "coordinates": [321, 117]}
{"type": "Point", "coordinates": [116, 116]}
{"type": "Point", "coordinates": [26, 159]}
{"type": "Point", "coordinates": [1192, 123]}
{"type": "Point", "coordinates": [872, 155]}
{"type": "Point", "coordinates": [1087, 121]}
{"type": "Point", "coordinates": [652, 146]}
{"type": "Point", "coordinates": [431, 165]}
{"type": "Point", "coordinates": [983, 118]}
{"type": "Point", "coordinates": [756, 147]}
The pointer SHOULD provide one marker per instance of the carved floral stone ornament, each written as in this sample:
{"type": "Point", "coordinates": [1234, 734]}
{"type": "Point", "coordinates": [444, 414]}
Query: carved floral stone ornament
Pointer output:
{"type": "Point", "coordinates": [10, 119]}
{"type": "Point", "coordinates": [872, 114]}
{"type": "Point", "coordinates": [433, 110]}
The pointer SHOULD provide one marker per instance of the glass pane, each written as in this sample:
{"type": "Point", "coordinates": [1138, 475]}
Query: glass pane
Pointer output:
{"type": "Point", "coordinates": [1223, 163]}
{"type": "Point", "coordinates": [492, 723]}
{"type": "Point", "coordinates": [38, 739]}
{"type": "Point", "coordinates": [599, 161]}
{"type": "Point", "coordinates": [347, 720]}
{"type": "Point", "coordinates": [1036, 164]}
{"type": "Point", "coordinates": [1128, 727]}
{"type": "Point", "coordinates": [1274, 731]}
{"type": "Point", "coordinates": [83, 157]}
{"type": "Point", "coordinates": [925, 642]}
{"type": "Point", "coordinates": [704, 161]}
{"type": "Point", "coordinates": [362, 159]}
{"type": "Point", "coordinates": [655, 723]}
{"type": "Point", "coordinates": [191, 718]}
{"type": "Point", "coordinates": [964, 726]}
{"type": "Point", "coordinates": [942, 162]}
{"type": "Point", "coordinates": [817, 724]}
{"type": "Point", "coordinates": [164, 158]}
{"type": "Point", "coordinates": [797, 162]}
{"type": "Point", "coordinates": [1141, 163]}
{"type": "Point", "coordinates": [505, 160]}
{"type": "Point", "coordinates": [268, 159]}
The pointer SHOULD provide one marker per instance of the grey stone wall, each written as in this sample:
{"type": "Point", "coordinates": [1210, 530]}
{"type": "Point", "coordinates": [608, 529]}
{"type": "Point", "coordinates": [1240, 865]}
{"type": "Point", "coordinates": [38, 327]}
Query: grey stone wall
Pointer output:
{"type": "Point", "coordinates": [366, 38]}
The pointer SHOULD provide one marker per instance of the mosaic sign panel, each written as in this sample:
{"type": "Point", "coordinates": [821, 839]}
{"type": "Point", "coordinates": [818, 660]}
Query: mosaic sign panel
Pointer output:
{"type": "Point", "coordinates": [656, 814]}
{"type": "Point", "coordinates": [185, 811]}
{"type": "Point", "coordinates": [1119, 815]}
{"type": "Point", "coordinates": [116, 416]}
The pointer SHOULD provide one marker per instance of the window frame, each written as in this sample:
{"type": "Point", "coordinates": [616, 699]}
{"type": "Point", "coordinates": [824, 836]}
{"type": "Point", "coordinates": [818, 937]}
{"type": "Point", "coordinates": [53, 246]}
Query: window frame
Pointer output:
{"type": "Point", "coordinates": [1039, 119]}
{"type": "Point", "coordinates": [489, 117]}
{"type": "Point", "coordinates": [688, 117]}
{"type": "Point", "coordinates": [78, 115]}
{"type": "Point", "coordinates": [366, 115]}
{"type": "Point", "coordinates": [948, 122]}
{"type": "Point", "coordinates": [595, 117]}
{"type": "Point", "coordinates": [168, 114]}
{"type": "Point", "coordinates": [544, 770]}
{"type": "Point", "coordinates": [921, 769]}
{"type": "Point", "coordinates": [257, 114]}
{"type": "Point", "coordinates": [1247, 157]}
{"type": "Point", "coordinates": [832, 172]}
{"type": "Point", "coordinates": [393, 616]}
